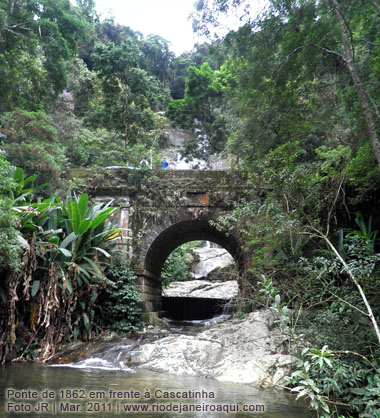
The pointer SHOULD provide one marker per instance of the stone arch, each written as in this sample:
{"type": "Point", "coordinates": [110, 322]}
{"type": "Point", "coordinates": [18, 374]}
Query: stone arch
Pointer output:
{"type": "Point", "coordinates": [175, 228]}
{"type": "Point", "coordinates": [186, 231]}
{"type": "Point", "coordinates": [166, 239]}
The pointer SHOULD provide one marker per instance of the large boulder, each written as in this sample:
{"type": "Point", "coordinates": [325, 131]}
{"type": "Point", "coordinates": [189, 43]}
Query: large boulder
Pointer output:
{"type": "Point", "coordinates": [251, 350]}
{"type": "Point", "coordinates": [209, 260]}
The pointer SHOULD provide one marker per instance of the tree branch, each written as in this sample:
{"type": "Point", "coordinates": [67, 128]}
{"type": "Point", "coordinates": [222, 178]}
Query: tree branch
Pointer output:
{"type": "Point", "coordinates": [14, 33]}
{"type": "Point", "coordinates": [330, 52]}
{"type": "Point", "coordinates": [353, 278]}
{"type": "Point", "coordinates": [335, 200]}
{"type": "Point", "coordinates": [348, 303]}
{"type": "Point", "coordinates": [354, 353]}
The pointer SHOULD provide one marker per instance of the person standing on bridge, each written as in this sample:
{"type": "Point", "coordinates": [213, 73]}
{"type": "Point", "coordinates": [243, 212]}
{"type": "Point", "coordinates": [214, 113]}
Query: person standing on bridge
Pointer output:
{"type": "Point", "coordinates": [143, 163]}
{"type": "Point", "coordinates": [164, 164]}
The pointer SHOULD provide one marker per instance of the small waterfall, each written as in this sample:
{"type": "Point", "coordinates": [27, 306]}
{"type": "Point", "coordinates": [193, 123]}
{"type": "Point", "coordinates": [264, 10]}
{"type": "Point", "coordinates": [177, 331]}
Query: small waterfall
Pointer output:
{"type": "Point", "coordinates": [209, 244]}
{"type": "Point", "coordinates": [109, 357]}
{"type": "Point", "coordinates": [228, 307]}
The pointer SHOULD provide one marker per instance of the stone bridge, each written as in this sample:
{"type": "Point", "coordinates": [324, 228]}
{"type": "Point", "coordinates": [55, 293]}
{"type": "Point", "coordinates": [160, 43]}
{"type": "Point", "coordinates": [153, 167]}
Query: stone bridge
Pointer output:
{"type": "Point", "coordinates": [164, 209]}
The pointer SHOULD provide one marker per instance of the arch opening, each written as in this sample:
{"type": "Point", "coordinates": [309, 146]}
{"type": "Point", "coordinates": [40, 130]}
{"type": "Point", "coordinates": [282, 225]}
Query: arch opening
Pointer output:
{"type": "Point", "coordinates": [185, 300]}
{"type": "Point", "coordinates": [187, 231]}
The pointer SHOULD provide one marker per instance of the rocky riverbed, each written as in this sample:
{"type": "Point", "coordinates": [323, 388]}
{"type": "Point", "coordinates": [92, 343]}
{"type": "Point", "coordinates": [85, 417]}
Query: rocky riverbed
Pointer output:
{"type": "Point", "coordinates": [251, 350]}
{"type": "Point", "coordinates": [213, 275]}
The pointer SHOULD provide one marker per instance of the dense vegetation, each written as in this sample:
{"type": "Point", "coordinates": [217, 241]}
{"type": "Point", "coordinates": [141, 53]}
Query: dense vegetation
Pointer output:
{"type": "Point", "coordinates": [177, 266]}
{"type": "Point", "coordinates": [301, 114]}
{"type": "Point", "coordinates": [291, 97]}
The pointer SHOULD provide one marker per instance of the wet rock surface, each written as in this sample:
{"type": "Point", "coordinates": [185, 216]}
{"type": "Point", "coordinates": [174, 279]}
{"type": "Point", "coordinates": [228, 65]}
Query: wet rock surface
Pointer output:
{"type": "Point", "coordinates": [176, 140]}
{"type": "Point", "coordinates": [202, 289]}
{"type": "Point", "coordinates": [251, 351]}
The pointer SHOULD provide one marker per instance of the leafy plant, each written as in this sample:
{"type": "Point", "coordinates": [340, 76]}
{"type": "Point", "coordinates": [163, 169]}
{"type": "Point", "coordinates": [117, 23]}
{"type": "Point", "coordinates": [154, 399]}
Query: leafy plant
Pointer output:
{"type": "Point", "coordinates": [368, 399]}
{"type": "Point", "coordinates": [306, 379]}
{"type": "Point", "coordinates": [322, 376]}
{"type": "Point", "coordinates": [11, 240]}
{"type": "Point", "coordinates": [75, 241]}
{"type": "Point", "coordinates": [31, 143]}
{"type": "Point", "coordinates": [76, 232]}
{"type": "Point", "coordinates": [177, 265]}
{"type": "Point", "coordinates": [63, 267]}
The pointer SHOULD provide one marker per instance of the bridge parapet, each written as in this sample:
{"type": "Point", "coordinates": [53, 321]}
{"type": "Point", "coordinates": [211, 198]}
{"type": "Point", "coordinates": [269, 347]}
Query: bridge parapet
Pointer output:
{"type": "Point", "coordinates": [131, 182]}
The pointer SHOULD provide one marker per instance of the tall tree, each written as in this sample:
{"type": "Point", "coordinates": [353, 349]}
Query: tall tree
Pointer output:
{"type": "Point", "coordinates": [349, 61]}
{"type": "Point", "coordinates": [199, 110]}
{"type": "Point", "coordinates": [37, 37]}
{"type": "Point", "coordinates": [157, 57]}
{"type": "Point", "coordinates": [313, 44]}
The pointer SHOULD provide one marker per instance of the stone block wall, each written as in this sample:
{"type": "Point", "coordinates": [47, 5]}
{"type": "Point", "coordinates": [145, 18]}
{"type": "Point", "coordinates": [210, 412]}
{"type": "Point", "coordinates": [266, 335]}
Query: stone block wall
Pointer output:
{"type": "Point", "coordinates": [162, 209]}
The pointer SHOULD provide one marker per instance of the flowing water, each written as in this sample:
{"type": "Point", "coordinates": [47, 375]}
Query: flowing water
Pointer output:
{"type": "Point", "coordinates": [103, 385]}
{"type": "Point", "coordinates": [97, 390]}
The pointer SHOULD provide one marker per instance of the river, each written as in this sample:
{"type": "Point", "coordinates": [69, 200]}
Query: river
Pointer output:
{"type": "Point", "coordinates": [36, 390]}
{"type": "Point", "coordinates": [105, 381]}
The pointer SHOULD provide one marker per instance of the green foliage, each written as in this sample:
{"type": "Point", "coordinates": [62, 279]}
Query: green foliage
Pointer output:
{"type": "Point", "coordinates": [177, 265]}
{"type": "Point", "coordinates": [96, 148]}
{"type": "Point", "coordinates": [6, 181]}
{"type": "Point", "coordinates": [69, 241]}
{"type": "Point", "coordinates": [269, 296]}
{"type": "Point", "coordinates": [11, 241]}
{"type": "Point", "coordinates": [116, 85]}
{"type": "Point", "coordinates": [335, 302]}
{"type": "Point", "coordinates": [37, 37]}
{"type": "Point", "coordinates": [357, 249]}
{"type": "Point", "coordinates": [321, 375]}
{"type": "Point", "coordinates": [120, 302]}
{"type": "Point", "coordinates": [333, 161]}
{"type": "Point", "coordinates": [127, 91]}
{"type": "Point", "coordinates": [81, 84]}
{"type": "Point", "coordinates": [324, 375]}
{"type": "Point", "coordinates": [288, 78]}
{"type": "Point", "coordinates": [311, 368]}
{"type": "Point", "coordinates": [30, 142]}
{"type": "Point", "coordinates": [178, 113]}
{"type": "Point", "coordinates": [178, 67]}
{"type": "Point", "coordinates": [362, 173]}
{"type": "Point", "coordinates": [198, 111]}
{"type": "Point", "coordinates": [369, 398]}
{"type": "Point", "coordinates": [287, 198]}
{"type": "Point", "coordinates": [75, 234]}
{"type": "Point", "coordinates": [272, 225]}
{"type": "Point", "coordinates": [157, 57]}
{"type": "Point", "coordinates": [76, 241]}
{"type": "Point", "coordinates": [73, 240]}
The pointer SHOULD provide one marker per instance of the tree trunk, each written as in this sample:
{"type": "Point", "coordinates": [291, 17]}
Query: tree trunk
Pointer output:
{"type": "Point", "coordinates": [357, 83]}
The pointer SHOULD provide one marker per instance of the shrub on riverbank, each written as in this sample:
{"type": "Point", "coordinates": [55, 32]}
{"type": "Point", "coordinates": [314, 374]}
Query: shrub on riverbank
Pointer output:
{"type": "Point", "coordinates": [49, 295]}
{"type": "Point", "coordinates": [120, 302]}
